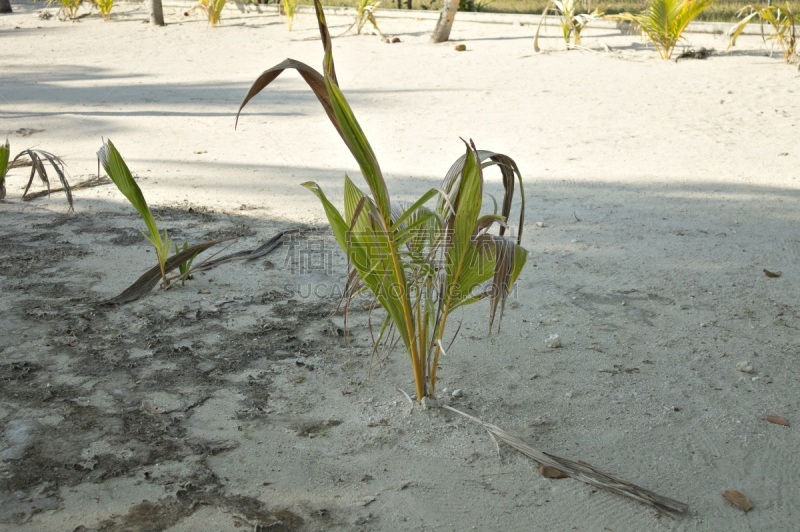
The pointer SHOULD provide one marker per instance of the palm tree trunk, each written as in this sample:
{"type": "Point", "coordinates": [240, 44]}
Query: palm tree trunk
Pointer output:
{"type": "Point", "coordinates": [445, 24]}
{"type": "Point", "coordinates": [5, 6]}
{"type": "Point", "coordinates": [156, 13]}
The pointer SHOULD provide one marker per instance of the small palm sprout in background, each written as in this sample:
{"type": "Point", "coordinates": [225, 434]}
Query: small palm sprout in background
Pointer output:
{"type": "Point", "coordinates": [104, 8]}
{"type": "Point", "coordinates": [211, 8]}
{"type": "Point", "coordinates": [420, 263]}
{"type": "Point", "coordinates": [780, 18]}
{"type": "Point", "coordinates": [69, 8]}
{"type": "Point", "coordinates": [664, 21]}
{"type": "Point", "coordinates": [36, 159]}
{"type": "Point", "coordinates": [289, 8]}
{"type": "Point", "coordinates": [365, 12]}
{"type": "Point", "coordinates": [572, 21]}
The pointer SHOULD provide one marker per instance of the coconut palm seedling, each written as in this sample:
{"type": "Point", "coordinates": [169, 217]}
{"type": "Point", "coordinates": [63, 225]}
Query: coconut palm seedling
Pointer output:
{"type": "Point", "coordinates": [36, 159]}
{"type": "Point", "coordinates": [289, 10]}
{"type": "Point", "coordinates": [780, 18]}
{"type": "Point", "coordinates": [572, 21]}
{"type": "Point", "coordinates": [422, 263]}
{"type": "Point", "coordinates": [104, 8]}
{"type": "Point", "coordinates": [211, 8]}
{"type": "Point", "coordinates": [118, 172]}
{"type": "Point", "coordinates": [69, 8]}
{"type": "Point", "coordinates": [664, 21]}
{"type": "Point", "coordinates": [365, 12]}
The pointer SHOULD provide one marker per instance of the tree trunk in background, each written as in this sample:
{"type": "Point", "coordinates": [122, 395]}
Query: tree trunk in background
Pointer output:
{"type": "Point", "coordinates": [156, 13]}
{"type": "Point", "coordinates": [5, 6]}
{"type": "Point", "coordinates": [446, 18]}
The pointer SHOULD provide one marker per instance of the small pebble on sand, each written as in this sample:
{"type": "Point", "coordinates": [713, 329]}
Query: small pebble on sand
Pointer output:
{"type": "Point", "coordinates": [553, 341]}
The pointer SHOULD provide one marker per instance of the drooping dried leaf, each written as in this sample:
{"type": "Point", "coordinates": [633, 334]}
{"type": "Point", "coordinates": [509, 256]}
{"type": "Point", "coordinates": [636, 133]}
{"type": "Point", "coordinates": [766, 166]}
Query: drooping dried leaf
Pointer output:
{"type": "Point", "coordinates": [551, 472]}
{"type": "Point", "coordinates": [738, 499]}
{"type": "Point", "coordinates": [313, 78]}
{"type": "Point", "coordinates": [777, 420]}
{"type": "Point", "coordinates": [772, 274]}
{"type": "Point", "coordinates": [510, 174]}
{"type": "Point", "coordinates": [38, 168]}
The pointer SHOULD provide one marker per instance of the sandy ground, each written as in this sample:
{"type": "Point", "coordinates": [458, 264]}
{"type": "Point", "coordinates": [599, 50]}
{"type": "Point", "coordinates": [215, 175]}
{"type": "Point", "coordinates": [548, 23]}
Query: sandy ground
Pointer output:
{"type": "Point", "coordinates": [657, 191]}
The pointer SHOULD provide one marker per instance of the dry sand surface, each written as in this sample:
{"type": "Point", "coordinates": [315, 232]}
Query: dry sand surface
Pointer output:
{"type": "Point", "coordinates": [657, 193]}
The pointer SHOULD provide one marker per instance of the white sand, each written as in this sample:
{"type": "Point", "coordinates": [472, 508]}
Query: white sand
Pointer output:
{"type": "Point", "coordinates": [664, 189]}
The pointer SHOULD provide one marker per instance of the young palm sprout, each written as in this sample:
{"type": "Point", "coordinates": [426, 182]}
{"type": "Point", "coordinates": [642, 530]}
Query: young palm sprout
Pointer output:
{"type": "Point", "coordinates": [664, 21]}
{"type": "Point", "coordinates": [118, 171]}
{"type": "Point", "coordinates": [421, 263]}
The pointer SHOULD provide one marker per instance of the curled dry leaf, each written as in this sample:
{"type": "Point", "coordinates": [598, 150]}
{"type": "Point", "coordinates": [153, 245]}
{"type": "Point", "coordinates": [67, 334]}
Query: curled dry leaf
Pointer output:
{"type": "Point", "coordinates": [738, 499]}
{"type": "Point", "coordinates": [551, 472]}
{"type": "Point", "coordinates": [777, 420]}
{"type": "Point", "coordinates": [772, 274]}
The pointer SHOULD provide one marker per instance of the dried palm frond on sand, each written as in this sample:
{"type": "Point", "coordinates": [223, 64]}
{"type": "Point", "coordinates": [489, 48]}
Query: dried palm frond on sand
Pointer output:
{"type": "Point", "coordinates": [581, 470]}
{"type": "Point", "coordinates": [36, 160]}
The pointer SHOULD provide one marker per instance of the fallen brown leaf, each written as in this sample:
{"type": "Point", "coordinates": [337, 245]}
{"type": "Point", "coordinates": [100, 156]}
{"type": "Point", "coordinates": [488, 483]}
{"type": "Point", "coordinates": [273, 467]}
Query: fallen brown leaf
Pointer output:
{"type": "Point", "coordinates": [551, 472]}
{"type": "Point", "coordinates": [778, 420]}
{"type": "Point", "coordinates": [738, 499]}
{"type": "Point", "coordinates": [771, 274]}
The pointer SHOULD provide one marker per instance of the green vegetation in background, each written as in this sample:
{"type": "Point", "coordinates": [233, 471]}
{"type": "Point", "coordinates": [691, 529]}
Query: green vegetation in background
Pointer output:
{"type": "Point", "coordinates": [69, 8]}
{"type": "Point", "coordinates": [664, 21]}
{"type": "Point", "coordinates": [104, 8]}
{"type": "Point", "coordinates": [572, 21]}
{"type": "Point", "coordinates": [782, 21]}
{"type": "Point", "coordinates": [721, 11]}
{"type": "Point", "coordinates": [289, 9]}
{"type": "Point", "coordinates": [212, 10]}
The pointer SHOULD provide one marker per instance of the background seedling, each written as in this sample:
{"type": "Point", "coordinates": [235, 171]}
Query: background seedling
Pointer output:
{"type": "Point", "coordinates": [780, 18]}
{"type": "Point", "coordinates": [36, 159]}
{"type": "Point", "coordinates": [664, 21]}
